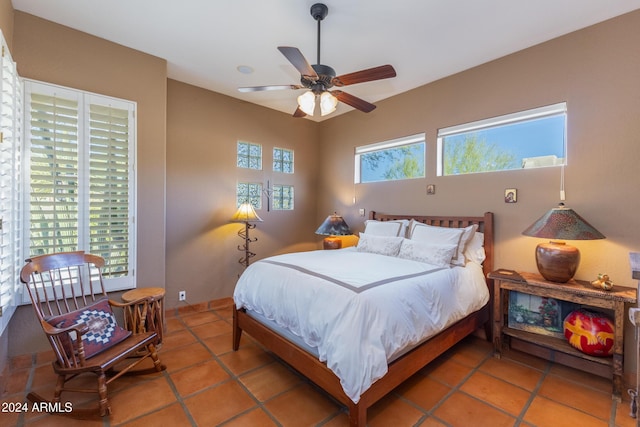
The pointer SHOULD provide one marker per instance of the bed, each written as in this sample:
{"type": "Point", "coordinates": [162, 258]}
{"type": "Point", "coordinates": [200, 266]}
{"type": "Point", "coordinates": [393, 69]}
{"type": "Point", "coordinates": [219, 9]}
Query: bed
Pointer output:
{"type": "Point", "coordinates": [314, 350]}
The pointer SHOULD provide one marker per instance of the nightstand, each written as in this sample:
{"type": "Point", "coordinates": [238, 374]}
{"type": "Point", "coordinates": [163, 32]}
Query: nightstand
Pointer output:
{"type": "Point", "coordinates": [551, 347]}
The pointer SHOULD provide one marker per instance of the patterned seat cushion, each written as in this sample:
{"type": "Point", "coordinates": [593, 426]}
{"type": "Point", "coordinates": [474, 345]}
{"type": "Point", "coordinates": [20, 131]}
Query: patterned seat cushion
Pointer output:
{"type": "Point", "coordinates": [103, 332]}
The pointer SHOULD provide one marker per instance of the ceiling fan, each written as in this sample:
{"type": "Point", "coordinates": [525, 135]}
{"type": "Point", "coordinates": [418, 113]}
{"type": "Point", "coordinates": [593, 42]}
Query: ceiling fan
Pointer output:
{"type": "Point", "coordinates": [319, 78]}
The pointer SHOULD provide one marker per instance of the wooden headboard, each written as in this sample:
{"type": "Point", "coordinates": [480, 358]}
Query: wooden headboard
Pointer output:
{"type": "Point", "coordinates": [485, 225]}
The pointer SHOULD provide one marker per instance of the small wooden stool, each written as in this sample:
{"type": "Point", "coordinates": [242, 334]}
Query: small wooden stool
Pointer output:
{"type": "Point", "coordinates": [155, 313]}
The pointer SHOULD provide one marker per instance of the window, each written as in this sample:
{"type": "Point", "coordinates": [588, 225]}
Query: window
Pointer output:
{"type": "Point", "coordinates": [249, 192]}
{"type": "Point", "coordinates": [80, 155]}
{"type": "Point", "coordinates": [11, 105]}
{"type": "Point", "coordinates": [282, 160]}
{"type": "Point", "coordinates": [528, 139]}
{"type": "Point", "coordinates": [401, 158]}
{"type": "Point", "coordinates": [249, 155]}
{"type": "Point", "coordinates": [282, 197]}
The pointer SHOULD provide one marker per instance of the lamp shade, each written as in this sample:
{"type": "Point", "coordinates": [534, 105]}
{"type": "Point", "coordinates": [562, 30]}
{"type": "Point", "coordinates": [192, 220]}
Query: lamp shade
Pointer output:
{"type": "Point", "coordinates": [334, 225]}
{"type": "Point", "coordinates": [557, 261]}
{"type": "Point", "coordinates": [307, 102]}
{"type": "Point", "coordinates": [246, 213]}
{"type": "Point", "coordinates": [328, 103]}
{"type": "Point", "coordinates": [564, 224]}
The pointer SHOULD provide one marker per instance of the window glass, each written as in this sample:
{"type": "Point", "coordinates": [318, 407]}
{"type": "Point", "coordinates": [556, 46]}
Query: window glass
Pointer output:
{"type": "Point", "coordinates": [249, 155]}
{"type": "Point", "coordinates": [282, 160]}
{"type": "Point", "coordinates": [402, 158]}
{"type": "Point", "coordinates": [282, 197]}
{"type": "Point", "coordinates": [528, 139]}
{"type": "Point", "coordinates": [249, 192]}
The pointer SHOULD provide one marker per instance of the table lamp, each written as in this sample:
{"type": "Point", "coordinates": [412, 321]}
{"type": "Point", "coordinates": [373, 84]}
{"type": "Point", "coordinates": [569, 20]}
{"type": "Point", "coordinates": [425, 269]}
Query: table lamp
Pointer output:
{"type": "Point", "coordinates": [333, 226]}
{"type": "Point", "coordinates": [556, 260]}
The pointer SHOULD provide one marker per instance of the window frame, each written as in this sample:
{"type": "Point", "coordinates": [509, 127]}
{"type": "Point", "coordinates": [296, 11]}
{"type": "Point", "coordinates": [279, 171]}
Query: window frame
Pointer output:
{"type": "Point", "coordinates": [125, 279]}
{"type": "Point", "coordinates": [524, 116]}
{"type": "Point", "coordinates": [419, 138]}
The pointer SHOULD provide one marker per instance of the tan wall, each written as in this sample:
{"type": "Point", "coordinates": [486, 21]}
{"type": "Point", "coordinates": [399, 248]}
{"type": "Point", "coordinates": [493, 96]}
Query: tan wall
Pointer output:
{"type": "Point", "coordinates": [57, 54]}
{"type": "Point", "coordinates": [595, 71]}
{"type": "Point", "coordinates": [6, 21]}
{"type": "Point", "coordinates": [203, 130]}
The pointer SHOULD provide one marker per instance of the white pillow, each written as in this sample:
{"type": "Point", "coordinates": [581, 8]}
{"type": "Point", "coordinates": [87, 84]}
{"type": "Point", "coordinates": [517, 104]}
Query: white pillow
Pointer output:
{"type": "Point", "coordinates": [383, 245]}
{"type": "Point", "coordinates": [438, 236]}
{"type": "Point", "coordinates": [474, 251]}
{"type": "Point", "coordinates": [386, 228]}
{"type": "Point", "coordinates": [430, 253]}
{"type": "Point", "coordinates": [467, 235]}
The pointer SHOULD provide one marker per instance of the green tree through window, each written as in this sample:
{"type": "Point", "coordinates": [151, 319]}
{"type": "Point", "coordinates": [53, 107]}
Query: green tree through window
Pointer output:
{"type": "Point", "coordinates": [472, 155]}
{"type": "Point", "coordinates": [403, 158]}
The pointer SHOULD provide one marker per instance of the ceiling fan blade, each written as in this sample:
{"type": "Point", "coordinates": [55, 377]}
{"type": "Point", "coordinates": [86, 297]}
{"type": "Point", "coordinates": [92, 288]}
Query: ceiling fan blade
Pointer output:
{"type": "Point", "coordinates": [299, 113]}
{"type": "Point", "coordinates": [370, 74]}
{"type": "Point", "coordinates": [298, 60]}
{"type": "Point", "coordinates": [272, 87]}
{"type": "Point", "coordinates": [354, 101]}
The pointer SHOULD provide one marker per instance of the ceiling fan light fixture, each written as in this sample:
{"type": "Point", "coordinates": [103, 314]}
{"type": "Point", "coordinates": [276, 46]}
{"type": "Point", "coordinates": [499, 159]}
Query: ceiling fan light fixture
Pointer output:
{"type": "Point", "coordinates": [319, 78]}
{"type": "Point", "coordinates": [328, 103]}
{"type": "Point", "coordinates": [307, 102]}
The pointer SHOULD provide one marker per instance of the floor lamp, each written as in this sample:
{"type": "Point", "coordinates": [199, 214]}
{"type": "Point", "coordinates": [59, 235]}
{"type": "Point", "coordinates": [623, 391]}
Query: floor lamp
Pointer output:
{"type": "Point", "coordinates": [248, 216]}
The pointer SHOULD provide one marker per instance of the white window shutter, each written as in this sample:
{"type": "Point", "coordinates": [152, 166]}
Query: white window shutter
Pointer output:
{"type": "Point", "coordinates": [11, 105]}
{"type": "Point", "coordinates": [81, 157]}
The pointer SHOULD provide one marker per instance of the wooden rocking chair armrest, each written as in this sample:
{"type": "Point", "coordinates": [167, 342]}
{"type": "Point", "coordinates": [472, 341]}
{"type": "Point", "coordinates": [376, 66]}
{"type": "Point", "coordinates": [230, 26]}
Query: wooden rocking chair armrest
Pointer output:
{"type": "Point", "coordinates": [119, 304]}
{"type": "Point", "coordinates": [68, 352]}
{"type": "Point", "coordinates": [79, 328]}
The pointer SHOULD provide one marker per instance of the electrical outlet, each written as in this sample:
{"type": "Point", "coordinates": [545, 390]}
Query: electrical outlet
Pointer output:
{"type": "Point", "coordinates": [182, 296]}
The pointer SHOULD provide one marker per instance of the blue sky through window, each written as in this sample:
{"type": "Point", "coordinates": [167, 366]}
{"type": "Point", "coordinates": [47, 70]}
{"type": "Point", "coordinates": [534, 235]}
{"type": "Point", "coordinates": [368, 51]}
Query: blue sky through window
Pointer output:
{"type": "Point", "coordinates": [533, 138]}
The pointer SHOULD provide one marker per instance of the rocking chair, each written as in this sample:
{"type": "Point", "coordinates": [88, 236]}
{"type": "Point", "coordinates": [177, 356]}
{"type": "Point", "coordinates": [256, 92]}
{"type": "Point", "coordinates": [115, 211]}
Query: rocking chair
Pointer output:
{"type": "Point", "coordinates": [68, 295]}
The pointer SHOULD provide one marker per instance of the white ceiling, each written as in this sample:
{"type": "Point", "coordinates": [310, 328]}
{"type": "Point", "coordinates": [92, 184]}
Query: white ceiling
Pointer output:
{"type": "Point", "coordinates": [204, 41]}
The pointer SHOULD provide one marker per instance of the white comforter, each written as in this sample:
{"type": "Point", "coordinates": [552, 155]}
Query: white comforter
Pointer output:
{"type": "Point", "coordinates": [359, 309]}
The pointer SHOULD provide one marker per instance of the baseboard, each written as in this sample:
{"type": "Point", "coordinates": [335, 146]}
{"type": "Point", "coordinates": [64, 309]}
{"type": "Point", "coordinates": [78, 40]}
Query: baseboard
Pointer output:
{"type": "Point", "coordinates": [216, 304]}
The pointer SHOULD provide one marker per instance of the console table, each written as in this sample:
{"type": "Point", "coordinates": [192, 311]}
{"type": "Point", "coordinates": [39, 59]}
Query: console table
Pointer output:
{"type": "Point", "coordinates": [551, 347]}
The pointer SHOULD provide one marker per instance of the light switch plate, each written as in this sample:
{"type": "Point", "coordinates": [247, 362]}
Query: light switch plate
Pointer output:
{"type": "Point", "coordinates": [361, 212]}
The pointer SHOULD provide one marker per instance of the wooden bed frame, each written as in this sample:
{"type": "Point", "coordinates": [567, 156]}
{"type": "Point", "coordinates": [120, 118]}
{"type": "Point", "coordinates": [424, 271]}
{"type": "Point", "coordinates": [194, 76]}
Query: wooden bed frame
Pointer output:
{"type": "Point", "coordinates": [401, 368]}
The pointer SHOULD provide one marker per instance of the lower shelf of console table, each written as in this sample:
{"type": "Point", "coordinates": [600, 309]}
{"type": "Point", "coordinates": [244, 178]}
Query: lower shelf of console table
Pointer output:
{"type": "Point", "coordinates": [558, 351]}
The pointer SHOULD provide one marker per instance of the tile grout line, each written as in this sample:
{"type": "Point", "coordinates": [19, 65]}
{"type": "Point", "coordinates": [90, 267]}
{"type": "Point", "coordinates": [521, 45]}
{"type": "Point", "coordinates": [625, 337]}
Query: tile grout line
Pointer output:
{"type": "Point", "coordinates": [175, 389]}
{"type": "Point", "coordinates": [302, 378]}
{"type": "Point", "coordinates": [232, 376]}
{"type": "Point", "coordinates": [533, 394]}
{"type": "Point", "coordinates": [431, 412]}
{"type": "Point", "coordinates": [32, 374]}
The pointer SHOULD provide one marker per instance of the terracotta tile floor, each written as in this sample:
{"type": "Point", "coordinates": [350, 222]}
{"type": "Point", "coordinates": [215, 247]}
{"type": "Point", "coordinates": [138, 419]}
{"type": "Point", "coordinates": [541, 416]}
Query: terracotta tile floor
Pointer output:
{"type": "Point", "coordinates": [207, 384]}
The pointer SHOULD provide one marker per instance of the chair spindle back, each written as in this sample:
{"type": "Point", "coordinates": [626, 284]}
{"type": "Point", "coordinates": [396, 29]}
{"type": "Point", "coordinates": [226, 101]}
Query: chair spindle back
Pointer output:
{"type": "Point", "coordinates": [63, 282]}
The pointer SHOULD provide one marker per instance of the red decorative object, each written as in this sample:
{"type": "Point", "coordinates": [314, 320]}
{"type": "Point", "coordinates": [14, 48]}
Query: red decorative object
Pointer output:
{"type": "Point", "coordinates": [589, 332]}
